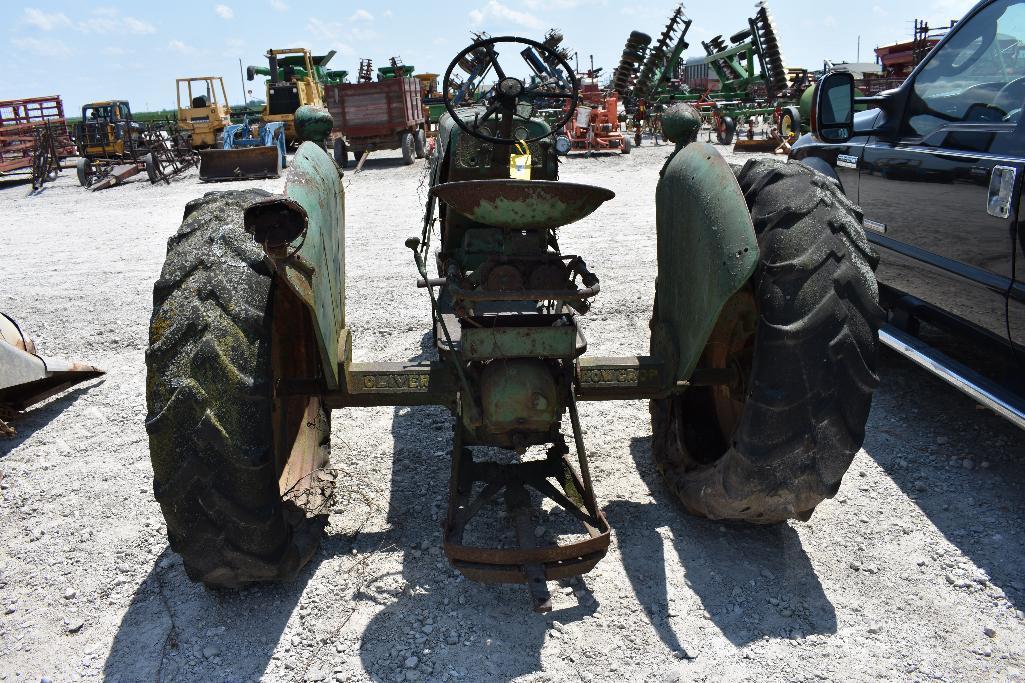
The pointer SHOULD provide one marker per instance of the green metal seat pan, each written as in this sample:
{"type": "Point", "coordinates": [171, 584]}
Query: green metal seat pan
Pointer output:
{"type": "Point", "coordinates": [522, 204]}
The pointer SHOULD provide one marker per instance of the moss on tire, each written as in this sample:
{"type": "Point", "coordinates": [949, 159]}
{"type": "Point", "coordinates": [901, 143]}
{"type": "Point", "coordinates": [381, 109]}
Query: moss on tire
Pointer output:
{"type": "Point", "coordinates": [218, 441]}
{"type": "Point", "coordinates": [803, 337]}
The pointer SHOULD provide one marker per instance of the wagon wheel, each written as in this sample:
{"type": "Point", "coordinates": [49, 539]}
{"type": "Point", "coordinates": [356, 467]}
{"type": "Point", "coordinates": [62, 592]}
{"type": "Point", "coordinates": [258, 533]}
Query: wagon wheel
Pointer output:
{"type": "Point", "coordinates": [790, 125]}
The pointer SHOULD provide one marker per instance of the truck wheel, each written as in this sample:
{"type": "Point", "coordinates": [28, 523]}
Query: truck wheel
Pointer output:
{"type": "Point", "coordinates": [152, 172]}
{"type": "Point", "coordinates": [790, 125]}
{"type": "Point", "coordinates": [802, 336]}
{"type": "Point", "coordinates": [420, 144]}
{"type": "Point", "coordinates": [341, 153]}
{"type": "Point", "coordinates": [407, 148]}
{"type": "Point", "coordinates": [626, 146]}
{"type": "Point", "coordinates": [85, 172]}
{"type": "Point", "coordinates": [726, 131]}
{"type": "Point", "coordinates": [236, 468]}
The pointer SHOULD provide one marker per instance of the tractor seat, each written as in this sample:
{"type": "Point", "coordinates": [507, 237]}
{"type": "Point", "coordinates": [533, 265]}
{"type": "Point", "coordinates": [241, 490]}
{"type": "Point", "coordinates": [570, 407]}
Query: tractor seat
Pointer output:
{"type": "Point", "coordinates": [522, 204]}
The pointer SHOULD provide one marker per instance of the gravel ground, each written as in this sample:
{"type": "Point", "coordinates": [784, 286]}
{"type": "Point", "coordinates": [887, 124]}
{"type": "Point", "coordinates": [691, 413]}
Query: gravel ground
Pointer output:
{"type": "Point", "coordinates": [913, 572]}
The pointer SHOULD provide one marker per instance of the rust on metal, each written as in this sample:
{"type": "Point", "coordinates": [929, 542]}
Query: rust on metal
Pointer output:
{"type": "Point", "coordinates": [276, 221]}
{"type": "Point", "coordinates": [118, 174]}
{"type": "Point", "coordinates": [528, 563]}
{"type": "Point", "coordinates": [522, 204]}
{"type": "Point", "coordinates": [240, 163]}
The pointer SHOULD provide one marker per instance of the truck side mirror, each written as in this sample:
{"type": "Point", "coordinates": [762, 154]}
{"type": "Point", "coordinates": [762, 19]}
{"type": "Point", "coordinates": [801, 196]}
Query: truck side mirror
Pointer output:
{"type": "Point", "coordinates": [832, 115]}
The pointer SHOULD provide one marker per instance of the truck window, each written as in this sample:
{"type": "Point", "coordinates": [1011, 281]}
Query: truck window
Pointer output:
{"type": "Point", "coordinates": [978, 76]}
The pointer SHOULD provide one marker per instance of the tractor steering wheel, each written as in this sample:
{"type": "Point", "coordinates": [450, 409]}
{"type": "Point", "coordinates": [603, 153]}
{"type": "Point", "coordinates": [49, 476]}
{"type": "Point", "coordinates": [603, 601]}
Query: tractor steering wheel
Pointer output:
{"type": "Point", "coordinates": [480, 58]}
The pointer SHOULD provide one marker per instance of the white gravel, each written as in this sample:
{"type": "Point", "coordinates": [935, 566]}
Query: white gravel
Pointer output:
{"type": "Point", "coordinates": [913, 572]}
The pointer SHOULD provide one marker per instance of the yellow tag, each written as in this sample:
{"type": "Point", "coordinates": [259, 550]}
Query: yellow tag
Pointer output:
{"type": "Point", "coordinates": [519, 164]}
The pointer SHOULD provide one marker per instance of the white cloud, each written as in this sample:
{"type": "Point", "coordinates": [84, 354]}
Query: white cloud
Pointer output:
{"type": "Point", "coordinates": [279, 5]}
{"type": "Point", "coordinates": [557, 4]}
{"type": "Point", "coordinates": [333, 33]}
{"type": "Point", "coordinates": [387, 14]}
{"type": "Point", "coordinates": [224, 12]}
{"type": "Point", "coordinates": [361, 15]}
{"type": "Point", "coordinates": [44, 47]}
{"type": "Point", "coordinates": [138, 25]}
{"type": "Point", "coordinates": [496, 12]}
{"type": "Point", "coordinates": [110, 20]}
{"type": "Point", "coordinates": [44, 21]}
{"type": "Point", "coordinates": [879, 11]}
{"type": "Point", "coordinates": [179, 47]}
{"type": "Point", "coordinates": [945, 10]}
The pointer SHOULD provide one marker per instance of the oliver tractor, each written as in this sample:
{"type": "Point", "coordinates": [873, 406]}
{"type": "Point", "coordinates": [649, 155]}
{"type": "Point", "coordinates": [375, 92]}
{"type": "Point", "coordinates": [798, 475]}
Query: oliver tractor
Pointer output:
{"type": "Point", "coordinates": [760, 370]}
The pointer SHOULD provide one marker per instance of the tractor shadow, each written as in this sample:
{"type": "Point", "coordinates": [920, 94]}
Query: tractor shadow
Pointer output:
{"type": "Point", "coordinates": [733, 569]}
{"type": "Point", "coordinates": [172, 624]}
{"type": "Point", "coordinates": [483, 632]}
{"type": "Point", "coordinates": [377, 163]}
{"type": "Point", "coordinates": [920, 433]}
{"type": "Point", "coordinates": [39, 416]}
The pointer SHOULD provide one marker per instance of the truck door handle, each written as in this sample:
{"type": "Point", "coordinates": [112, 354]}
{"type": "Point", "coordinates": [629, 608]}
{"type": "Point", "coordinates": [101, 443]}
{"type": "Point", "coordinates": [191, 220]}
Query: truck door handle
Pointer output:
{"type": "Point", "coordinates": [1001, 188]}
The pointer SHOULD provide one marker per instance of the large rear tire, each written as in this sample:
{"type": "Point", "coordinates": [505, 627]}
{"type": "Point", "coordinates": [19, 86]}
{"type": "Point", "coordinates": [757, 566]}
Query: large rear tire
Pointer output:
{"type": "Point", "coordinates": [236, 469]}
{"type": "Point", "coordinates": [802, 336]}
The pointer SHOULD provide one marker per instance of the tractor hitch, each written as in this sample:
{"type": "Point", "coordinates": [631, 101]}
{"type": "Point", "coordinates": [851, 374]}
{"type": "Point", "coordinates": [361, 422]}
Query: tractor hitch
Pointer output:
{"type": "Point", "coordinates": [529, 563]}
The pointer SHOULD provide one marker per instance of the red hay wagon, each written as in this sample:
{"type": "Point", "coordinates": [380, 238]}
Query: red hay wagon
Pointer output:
{"type": "Point", "coordinates": [386, 114]}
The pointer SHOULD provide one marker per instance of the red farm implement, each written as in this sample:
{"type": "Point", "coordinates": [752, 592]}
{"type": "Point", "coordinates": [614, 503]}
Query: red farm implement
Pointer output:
{"type": "Point", "coordinates": [33, 136]}
{"type": "Point", "coordinates": [595, 126]}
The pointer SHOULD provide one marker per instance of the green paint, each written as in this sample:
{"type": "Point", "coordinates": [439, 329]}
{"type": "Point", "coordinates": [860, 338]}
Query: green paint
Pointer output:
{"type": "Point", "coordinates": [315, 183]}
{"type": "Point", "coordinates": [707, 250]}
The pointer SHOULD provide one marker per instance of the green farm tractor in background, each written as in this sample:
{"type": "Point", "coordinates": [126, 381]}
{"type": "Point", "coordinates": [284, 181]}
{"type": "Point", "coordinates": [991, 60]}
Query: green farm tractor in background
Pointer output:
{"type": "Point", "coordinates": [760, 370]}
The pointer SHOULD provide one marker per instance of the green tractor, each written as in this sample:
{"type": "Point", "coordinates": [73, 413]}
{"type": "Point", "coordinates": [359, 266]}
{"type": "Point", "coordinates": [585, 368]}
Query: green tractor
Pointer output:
{"type": "Point", "coordinates": [760, 371]}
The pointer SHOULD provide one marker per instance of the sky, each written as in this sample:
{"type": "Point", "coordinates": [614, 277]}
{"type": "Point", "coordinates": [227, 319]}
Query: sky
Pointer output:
{"type": "Point", "coordinates": [88, 51]}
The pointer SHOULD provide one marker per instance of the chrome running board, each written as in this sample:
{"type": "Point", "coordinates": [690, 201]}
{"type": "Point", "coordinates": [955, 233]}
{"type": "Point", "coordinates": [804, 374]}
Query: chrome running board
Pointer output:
{"type": "Point", "coordinates": [988, 393]}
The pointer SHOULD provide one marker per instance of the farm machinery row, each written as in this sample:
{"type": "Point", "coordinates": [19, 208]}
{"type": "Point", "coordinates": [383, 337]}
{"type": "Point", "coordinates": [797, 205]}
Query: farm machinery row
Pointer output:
{"type": "Point", "coordinates": [737, 83]}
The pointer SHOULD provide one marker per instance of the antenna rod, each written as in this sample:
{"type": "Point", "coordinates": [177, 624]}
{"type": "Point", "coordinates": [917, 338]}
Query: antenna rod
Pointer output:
{"type": "Point", "coordinates": [242, 75]}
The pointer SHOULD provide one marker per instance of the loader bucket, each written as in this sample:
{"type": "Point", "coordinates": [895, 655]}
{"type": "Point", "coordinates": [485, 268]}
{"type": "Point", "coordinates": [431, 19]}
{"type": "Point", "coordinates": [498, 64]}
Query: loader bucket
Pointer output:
{"type": "Point", "coordinates": [240, 163]}
{"type": "Point", "coordinates": [26, 377]}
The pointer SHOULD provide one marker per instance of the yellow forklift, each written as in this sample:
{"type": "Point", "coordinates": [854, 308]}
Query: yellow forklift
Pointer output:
{"type": "Point", "coordinates": [205, 113]}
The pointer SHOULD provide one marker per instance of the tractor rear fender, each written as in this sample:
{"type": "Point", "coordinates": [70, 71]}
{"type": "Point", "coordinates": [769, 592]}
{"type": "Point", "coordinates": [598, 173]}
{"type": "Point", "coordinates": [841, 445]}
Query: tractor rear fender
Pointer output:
{"type": "Point", "coordinates": [303, 233]}
{"type": "Point", "coordinates": [707, 250]}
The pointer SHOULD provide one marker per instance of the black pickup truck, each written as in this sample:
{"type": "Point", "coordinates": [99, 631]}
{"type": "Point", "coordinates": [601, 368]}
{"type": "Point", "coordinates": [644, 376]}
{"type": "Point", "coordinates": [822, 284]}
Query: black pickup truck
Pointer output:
{"type": "Point", "coordinates": [938, 165]}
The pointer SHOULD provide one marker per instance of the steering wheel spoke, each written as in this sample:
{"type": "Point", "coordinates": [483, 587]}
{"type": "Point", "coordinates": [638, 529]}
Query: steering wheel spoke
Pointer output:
{"type": "Point", "coordinates": [493, 56]}
{"type": "Point", "coordinates": [489, 112]}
